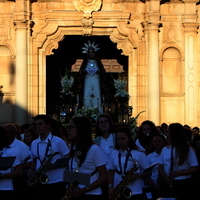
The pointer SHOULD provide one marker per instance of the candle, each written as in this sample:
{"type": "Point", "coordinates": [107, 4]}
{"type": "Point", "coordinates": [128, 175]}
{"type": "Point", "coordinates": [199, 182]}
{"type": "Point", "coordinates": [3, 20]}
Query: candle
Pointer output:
{"type": "Point", "coordinates": [77, 99]}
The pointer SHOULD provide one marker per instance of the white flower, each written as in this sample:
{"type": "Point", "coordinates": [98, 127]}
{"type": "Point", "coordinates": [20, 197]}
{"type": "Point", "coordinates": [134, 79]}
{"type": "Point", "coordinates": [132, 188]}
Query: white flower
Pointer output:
{"type": "Point", "coordinates": [120, 86]}
{"type": "Point", "coordinates": [66, 84]}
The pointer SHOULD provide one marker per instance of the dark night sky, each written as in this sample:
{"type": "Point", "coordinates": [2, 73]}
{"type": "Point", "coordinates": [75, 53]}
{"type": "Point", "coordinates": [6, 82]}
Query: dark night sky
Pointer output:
{"type": "Point", "coordinates": [65, 56]}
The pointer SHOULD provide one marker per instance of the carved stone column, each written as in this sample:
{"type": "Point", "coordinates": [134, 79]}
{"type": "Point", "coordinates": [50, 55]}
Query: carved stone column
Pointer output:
{"type": "Point", "coordinates": [153, 74]}
{"type": "Point", "coordinates": [21, 73]}
{"type": "Point", "coordinates": [191, 73]}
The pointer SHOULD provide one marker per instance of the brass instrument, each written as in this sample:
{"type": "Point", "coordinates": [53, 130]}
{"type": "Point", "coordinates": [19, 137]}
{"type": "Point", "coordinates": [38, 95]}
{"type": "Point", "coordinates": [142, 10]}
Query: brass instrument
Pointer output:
{"type": "Point", "coordinates": [121, 190]}
{"type": "Point", "coordinates": [71, 187]}
{"type": "Point", "coordinates": [39, 175]}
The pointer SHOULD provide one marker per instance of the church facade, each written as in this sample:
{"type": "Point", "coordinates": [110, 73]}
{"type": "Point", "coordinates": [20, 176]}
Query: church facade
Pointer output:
{"type": "Point", "coordinates": [160, 39]}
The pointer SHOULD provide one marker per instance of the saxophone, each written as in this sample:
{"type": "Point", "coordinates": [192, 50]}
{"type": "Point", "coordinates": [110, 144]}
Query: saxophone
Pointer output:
{"type": "Point", "coordinates": [121, 190]}
{"type": "Point", "coordinates": [39, 175]}
{"type": "Point", "coordinates": [71, 187]}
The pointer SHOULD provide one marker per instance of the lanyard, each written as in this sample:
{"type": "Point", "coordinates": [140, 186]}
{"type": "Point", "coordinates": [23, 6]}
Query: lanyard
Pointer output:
{"type": "Point", "coordinates": [78, 153]}
{"type": "Point", "coordinates": [125, 163]}
{"type": "Point", "coordinates": [46, 152]}
{"type": "Point", "coordinates": [172, 160]}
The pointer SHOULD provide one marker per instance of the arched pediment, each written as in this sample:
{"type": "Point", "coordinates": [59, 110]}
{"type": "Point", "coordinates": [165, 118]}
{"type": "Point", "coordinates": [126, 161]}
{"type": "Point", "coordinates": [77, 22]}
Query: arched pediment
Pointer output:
{"type": "Point", "coordinates": [126, 38]}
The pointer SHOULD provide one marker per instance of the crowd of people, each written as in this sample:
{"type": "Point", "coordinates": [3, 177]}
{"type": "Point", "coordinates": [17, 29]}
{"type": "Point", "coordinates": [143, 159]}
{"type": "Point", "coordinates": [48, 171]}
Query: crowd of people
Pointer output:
{"type": "Point", "coordinates": [159, 162]}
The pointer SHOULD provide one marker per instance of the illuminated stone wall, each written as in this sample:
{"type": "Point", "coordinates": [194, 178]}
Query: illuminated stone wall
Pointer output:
{"type": "Point", "coordinates": [160, 39]}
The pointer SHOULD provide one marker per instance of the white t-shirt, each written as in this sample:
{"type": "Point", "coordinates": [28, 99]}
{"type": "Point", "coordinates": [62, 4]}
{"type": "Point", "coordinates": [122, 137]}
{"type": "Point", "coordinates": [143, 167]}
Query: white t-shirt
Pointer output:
{"type": "Point", "coordinates": [139, 157]}
{"type": "Point", "coordinates": [107, 145]}
{"type": "Point", "coordinates": [165, 160]}
{"type": "Point", "coordinates": [154, 158]}
{"type": "Point", "coordinates": [52, 144]}
{"type": "Point", "coordinates": [7, 184]}
{"type": "Point", "coordinates": [94, 159]}
{"type": "Point", "coordinates": [21, 149]}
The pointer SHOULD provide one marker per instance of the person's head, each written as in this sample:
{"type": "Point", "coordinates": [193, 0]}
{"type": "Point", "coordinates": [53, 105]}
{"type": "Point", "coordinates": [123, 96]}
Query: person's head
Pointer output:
{"type": "Point", "coordinates": [80, 129]}
{"type": "Point", "coordinates": [80, 133]}
{"type": "Point", "coordinates": [196, 143]}
{"type": "Point", "coordinates": [11, 132]}
{"type": "Point", "coordinates": [195, 131]}
{"type": "Point", "coordinates": [177, 134]}
{"type": "Point", "coordinates": [147, 128]}
{"type": "Point", "coordinates": [42, 123]}
{"type": "Point", "coordinates": [24, 127]}
{"type": "Point", "coordinates": [91, 53]}
{"type": "Point", "coordinates": [188, 134]}
{"type": "Point", "coordinates": [124, 139]}
{"type": "Point", "coordinates": [159, 141]}
{"type": "Point", "coordinates": [29, 136]}
{"type": "Point", "coordinates": [178, 140]}
{"type": "Point", "coordinates": [104, 123]}
{"type": "Point", "coordinates": [3, 138]}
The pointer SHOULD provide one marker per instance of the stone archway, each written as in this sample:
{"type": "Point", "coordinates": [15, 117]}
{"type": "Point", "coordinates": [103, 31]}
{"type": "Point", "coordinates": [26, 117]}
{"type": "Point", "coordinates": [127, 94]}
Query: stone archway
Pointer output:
{"type": "Point", "coordinates": [123, 36]}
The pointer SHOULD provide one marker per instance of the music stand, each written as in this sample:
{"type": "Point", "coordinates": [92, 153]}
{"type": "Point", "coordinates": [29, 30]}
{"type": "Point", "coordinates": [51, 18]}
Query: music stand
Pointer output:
{"type": "Point", "coordinates": [76, 177]}
{"type": "Point", "coordinates": [6, 162]}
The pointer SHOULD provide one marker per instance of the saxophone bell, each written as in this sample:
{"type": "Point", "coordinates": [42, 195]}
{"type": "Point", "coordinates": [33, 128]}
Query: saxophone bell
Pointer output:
{"type": "Point", "coordinates": [44, 179]}
{"type": "Point", "coordinates": [127, 193]}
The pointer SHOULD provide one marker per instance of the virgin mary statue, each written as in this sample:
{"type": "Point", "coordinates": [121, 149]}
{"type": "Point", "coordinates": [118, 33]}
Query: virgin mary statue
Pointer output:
{"type": "Point", "coordinates": [92, 75]}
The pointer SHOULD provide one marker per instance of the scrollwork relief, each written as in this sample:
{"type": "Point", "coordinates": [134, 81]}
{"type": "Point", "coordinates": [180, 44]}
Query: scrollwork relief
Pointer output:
{"type": "Point", "coordinates": [171, 33]}
{"type": "Point", "coordinates": [87, 6]}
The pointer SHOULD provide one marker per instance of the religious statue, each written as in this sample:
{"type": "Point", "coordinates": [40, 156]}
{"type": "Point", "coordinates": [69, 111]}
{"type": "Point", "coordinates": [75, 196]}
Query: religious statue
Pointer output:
{"type": "Point", "coordinates": [93, 86]}
{"type": "Point", "coordinates": [91, 73]}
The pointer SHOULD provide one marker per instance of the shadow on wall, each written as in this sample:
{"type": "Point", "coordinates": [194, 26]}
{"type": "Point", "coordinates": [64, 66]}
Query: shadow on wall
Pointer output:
{"type": "Point", "coordinates": [7, 110]}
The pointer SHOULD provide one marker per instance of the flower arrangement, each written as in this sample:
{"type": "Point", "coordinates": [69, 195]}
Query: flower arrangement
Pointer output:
{"type": "Point", "coordinates": [90, 112]}
{"type": "Point", "coordinates": [66, 84]}
{"type": "Point", "coordinates": [121, 91]}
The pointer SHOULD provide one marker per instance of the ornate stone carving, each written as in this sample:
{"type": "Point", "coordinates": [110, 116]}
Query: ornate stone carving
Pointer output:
{"type": "Point", "coordinates": [171, 33]}
{"type": "Point", "coordinates": [87, 6]}
{"type": "Point", "coordinates": [87, 26]}
{"type": "Point", "coordinates": [5, 32]}
{"type": "Point", "coordinates": [126, 38]}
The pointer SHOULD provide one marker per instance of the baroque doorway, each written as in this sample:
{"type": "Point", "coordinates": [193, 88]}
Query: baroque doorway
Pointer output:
{"type": "Point", "coordinates": [70, 53]}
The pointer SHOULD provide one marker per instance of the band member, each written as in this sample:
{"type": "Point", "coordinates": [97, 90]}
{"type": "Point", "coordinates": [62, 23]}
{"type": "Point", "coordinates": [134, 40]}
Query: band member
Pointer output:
{"type": "Point", "coordinates": [178, 161]}
{"type": "Point", "coordinates": [21, 149]}
{"type": "Point", "coordinates": [125, 168]}
{"type": "Point", "coordinates": [85, 157]}
{"type": "Point", "coordinates": [13, 171]}
{"type": "Point", "coordinates": [45, 150]}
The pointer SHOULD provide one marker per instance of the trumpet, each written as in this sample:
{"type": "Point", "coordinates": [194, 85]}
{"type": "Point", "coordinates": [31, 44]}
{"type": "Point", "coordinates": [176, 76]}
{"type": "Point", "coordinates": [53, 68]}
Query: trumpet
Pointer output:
{"type": "Point", "coordinates": [39, 175]}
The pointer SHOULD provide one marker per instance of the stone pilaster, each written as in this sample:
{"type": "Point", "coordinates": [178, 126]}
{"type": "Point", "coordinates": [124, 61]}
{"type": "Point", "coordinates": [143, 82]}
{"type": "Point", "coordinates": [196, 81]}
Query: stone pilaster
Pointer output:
{"type": "Point", "coordinates": [153, 74]}
{"type": "Point", "coordinates": [191, 73]}
{"type": "Point", "coordinates": [21, 73]}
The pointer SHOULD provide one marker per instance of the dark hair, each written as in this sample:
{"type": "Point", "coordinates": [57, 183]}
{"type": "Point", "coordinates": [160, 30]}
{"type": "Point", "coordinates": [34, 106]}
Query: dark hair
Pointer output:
{"type": "Point", "coordinates": [112, 128]}
{"type": "Point", "coordinates": [146, 140]}
{"type": "Point", "coordinates": [3, 138]}
{"type": "Point", "coordinates": [32, 132]}
{"type": "Point", "coordinates": [178, 140]}
{"type": "Point", "coordinates": [127, 131]}
{"type": "Point", "coordinates": [154, 130]}
{"type": "Point", "coordinates": [45, 118]}
{"type": "Point", "coordinates": [83, 140]}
